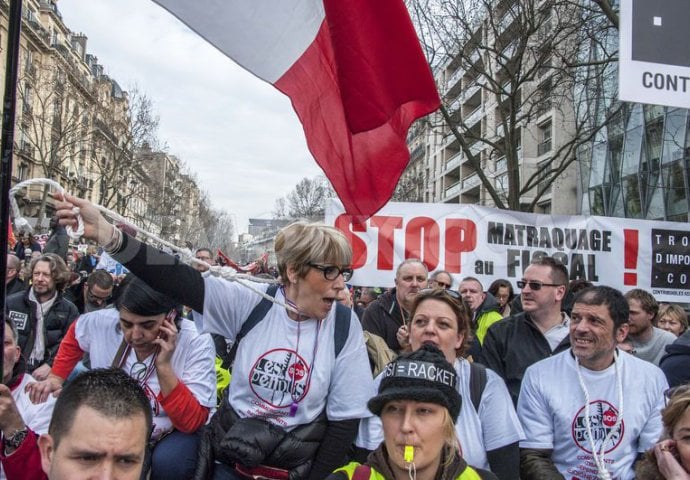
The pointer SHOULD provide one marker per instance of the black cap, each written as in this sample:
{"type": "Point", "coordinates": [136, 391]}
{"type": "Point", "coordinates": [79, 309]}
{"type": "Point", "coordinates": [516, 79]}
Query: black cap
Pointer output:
{"type": "Point", "coordinates": [422, 376]}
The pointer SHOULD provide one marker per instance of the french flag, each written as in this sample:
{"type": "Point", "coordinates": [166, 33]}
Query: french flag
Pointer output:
{"type": "Point", "coordinates": [353, 69]}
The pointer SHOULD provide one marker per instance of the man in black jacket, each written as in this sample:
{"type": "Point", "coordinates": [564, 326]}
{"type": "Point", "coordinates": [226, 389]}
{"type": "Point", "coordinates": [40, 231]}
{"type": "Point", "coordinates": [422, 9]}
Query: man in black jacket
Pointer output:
{"type": "Point", "coordinates": [675, 362]}
{"type": "Point", "coordinates": [41, 314]}
{"type": "Point", "coordinates": [390, 311]}
{"type": "Point", "coordinates": [13, 283]}
{"type": "Point", "coordinates": [516, 342]}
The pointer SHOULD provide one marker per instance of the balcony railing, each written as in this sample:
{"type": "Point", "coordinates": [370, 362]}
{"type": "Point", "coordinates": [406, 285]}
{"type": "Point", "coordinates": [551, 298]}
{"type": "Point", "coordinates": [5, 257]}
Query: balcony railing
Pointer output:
{"type": "Point", "coordinates": [474, 116]}
{"type": "Point", "coordinates": [453, 190]}
{"type": "Point", "coordinates": [454, 162]}
{"type": "Point", "coordinates": [470, 181]}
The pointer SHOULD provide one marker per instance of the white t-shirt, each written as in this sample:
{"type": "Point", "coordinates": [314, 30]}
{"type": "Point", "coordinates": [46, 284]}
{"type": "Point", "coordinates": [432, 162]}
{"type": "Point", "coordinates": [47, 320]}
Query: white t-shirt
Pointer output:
{"type": "Point", "coordinates": [35, 416]}
{"type": "Point", "coordinates": [193, 360]}
{"type": "Point", "coordinates": [494, 426]}
{"type": "Point", "coordinates": [281, 362]}
{"type": "Point", "coordinates": [551, 408]}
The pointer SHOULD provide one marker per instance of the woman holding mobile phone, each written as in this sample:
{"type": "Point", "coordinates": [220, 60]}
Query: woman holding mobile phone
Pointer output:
{"type": "Point", "coordinates": [174, 364]}
{"type": "Point", "coordinates": [670, 457]}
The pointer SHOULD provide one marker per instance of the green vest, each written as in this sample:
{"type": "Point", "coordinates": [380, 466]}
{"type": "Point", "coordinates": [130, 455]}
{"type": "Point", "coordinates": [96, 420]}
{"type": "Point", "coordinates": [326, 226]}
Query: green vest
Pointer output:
{"type": "Point", "coordinates": [468, 474]}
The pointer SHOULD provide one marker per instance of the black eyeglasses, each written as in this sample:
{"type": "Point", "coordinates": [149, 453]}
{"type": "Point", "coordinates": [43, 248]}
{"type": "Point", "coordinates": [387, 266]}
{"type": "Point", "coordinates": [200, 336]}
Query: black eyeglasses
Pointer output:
{"type": "Point", "coordinates": [442, 284]}
{"type": "Point", "coordinates": [536, 284]}
{"type": "Point", "coordinates": [331, 272]}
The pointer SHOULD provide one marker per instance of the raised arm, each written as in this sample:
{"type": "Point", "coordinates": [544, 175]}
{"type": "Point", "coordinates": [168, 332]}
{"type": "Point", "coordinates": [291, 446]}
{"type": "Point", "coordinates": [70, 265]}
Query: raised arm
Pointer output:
{"type": "Point", "coordinates": [161, 271]}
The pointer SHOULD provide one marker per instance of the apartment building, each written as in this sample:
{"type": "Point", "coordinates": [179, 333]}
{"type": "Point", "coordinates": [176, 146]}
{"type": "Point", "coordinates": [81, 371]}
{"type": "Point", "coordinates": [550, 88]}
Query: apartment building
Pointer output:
{"type": "Point", "coordinates": [73, 125]}
{"type": "Point", "coordinates": [512, 110]}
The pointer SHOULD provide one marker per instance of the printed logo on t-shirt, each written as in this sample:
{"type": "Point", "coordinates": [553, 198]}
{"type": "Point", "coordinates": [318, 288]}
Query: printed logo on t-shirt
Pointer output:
{"type": "Point", "coordinates": [603, 417]}
{"type": "Point", "coordinates": [279, 377]}
{"type": "Point", "coordinates": [19, 319]}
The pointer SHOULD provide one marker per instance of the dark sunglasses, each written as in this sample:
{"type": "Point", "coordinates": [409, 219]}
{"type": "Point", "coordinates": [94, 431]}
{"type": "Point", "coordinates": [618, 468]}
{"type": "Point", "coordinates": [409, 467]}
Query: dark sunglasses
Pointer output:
{"type": "Point", "coordinates": [96, 299]}
{"type": "Point", "coordinates": [442, 284]}
{"type": "Point", "coordinates": [451, 293]}
{"type": "Point", "coordinates": [536, 284]}
{"type": "Point", "coordinates": [678, 389]}
{"type": "Point", "coordinates": [331, 272]}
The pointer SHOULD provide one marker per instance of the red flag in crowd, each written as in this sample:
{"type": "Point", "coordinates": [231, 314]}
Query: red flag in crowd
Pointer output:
{"type": "Point", "coordinates": [11, 240]}
{"type": "Point", "coordinates": [354, 71]}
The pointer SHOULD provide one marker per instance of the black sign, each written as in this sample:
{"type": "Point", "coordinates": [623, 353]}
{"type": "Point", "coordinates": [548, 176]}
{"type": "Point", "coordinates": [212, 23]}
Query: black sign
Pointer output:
{"type": "Point", "coordinates": [660, 32]}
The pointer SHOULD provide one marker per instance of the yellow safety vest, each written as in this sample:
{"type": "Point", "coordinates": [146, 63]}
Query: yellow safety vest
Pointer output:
{"type": "Point", "coordinates": [468, 474]}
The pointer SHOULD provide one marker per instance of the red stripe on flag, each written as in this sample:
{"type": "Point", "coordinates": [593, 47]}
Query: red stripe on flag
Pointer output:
{"type": "Point", "coordinates": [356, 90]}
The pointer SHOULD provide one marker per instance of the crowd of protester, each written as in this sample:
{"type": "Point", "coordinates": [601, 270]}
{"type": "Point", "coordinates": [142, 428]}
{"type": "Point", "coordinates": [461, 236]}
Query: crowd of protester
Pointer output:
{"type": "Point", "coordinates": [435, 378]}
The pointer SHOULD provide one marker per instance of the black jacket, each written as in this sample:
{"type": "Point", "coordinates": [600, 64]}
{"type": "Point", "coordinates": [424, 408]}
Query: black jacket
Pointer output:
{"type": "Point", "coordinates": [512, 345]}
{"type": "Point", "coordinates": [56, 321]}
{"type": "Point", "coordinates": [15, 286]}
{"type": "Point", "coordinates": [675, 362]}
{"type": "Point", "coordinates": [383, 317]}
{"type": "Point", "coordinates": [58, 243]}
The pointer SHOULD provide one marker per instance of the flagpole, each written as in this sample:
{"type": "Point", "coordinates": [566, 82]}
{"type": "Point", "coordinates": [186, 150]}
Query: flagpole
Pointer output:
{"type": "Point", "coordinates": [7, 142]}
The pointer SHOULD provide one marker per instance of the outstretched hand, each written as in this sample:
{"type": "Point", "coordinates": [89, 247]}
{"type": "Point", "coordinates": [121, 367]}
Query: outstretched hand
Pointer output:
{"type": "Point", "coordinates": [96, 227]}
{"type": "Point", "coordinates": [40, 391]}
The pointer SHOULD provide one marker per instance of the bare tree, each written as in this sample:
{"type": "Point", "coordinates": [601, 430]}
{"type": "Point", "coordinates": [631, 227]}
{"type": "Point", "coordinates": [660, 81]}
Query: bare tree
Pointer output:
{"type": "Point", "coordinates": [307, 200]}
{"type": "Point", "coordinates": [222, 232]}
{"type": "Point", "coordinates": [502, 65]}
{"type": "Point", "coordinates": [123, 124]}
{"type": "Point", "coordinates": [54, 126]}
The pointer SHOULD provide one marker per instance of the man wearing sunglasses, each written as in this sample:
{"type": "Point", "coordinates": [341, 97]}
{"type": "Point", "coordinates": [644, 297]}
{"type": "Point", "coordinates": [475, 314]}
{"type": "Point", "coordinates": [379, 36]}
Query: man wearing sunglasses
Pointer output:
{"type": "Point", "coordinates": [539, 331]}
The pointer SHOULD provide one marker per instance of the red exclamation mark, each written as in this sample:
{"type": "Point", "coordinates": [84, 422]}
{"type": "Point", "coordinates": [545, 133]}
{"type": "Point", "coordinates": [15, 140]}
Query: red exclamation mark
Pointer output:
{"type": "Point", "coordinates": [631, 250]}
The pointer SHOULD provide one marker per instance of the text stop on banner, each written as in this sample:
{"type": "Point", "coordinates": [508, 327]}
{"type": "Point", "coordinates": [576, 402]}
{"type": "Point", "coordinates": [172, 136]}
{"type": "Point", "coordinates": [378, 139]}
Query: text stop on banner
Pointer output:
{"type": "Point", "coordinates": [487, 243]}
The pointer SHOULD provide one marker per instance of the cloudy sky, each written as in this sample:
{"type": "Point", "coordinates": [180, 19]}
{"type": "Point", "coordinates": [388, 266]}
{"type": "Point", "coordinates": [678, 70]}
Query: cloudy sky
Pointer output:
{"type": "Point", "coordinates": [239, 134]}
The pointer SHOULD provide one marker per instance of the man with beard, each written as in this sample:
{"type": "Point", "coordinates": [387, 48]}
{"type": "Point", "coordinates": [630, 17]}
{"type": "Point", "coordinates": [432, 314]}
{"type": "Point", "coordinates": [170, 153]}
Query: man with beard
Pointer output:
{"type": "Point", "coordinates": [390, 311]}
{"type": "Point", "coordinates": [571, 404]}
{"type": "Point", "coordinates": [41, 313]}
{"type": "Point", "coordinates": [541, 330]}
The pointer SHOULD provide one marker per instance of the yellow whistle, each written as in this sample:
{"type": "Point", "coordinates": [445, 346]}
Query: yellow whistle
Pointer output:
{"type": "Point", "coordinates": [409, 453]}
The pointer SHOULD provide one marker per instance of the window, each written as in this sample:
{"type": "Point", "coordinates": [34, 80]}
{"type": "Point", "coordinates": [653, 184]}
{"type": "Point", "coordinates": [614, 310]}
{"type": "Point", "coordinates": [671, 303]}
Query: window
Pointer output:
{"type": "Point", "coordinates": [544, 145]}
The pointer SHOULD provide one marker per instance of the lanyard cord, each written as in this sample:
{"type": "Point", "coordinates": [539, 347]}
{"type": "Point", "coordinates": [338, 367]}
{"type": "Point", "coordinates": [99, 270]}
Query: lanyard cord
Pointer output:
{"type": "Point", "coordinates": [599, 457]}
{"type": "Point", "coordinates": [296, 398]}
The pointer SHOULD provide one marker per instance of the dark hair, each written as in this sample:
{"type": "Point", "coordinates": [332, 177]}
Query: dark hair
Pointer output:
{"type": "Point", "coordinates": [101, 278]}
{"type": "Point", "coordinates": [610, 297]}
{"type": "Point", "coordinates": [559, 272]}
{"type": "Point", "coordinates": [204, 249]}
{"type": "Point", "coordinates": [58, 269]}
{"type": "Point", "coordinates": [646, 299]}
{"type": "Point", "coordinates": [109, 391]}
{"type": "Point", "coordinates": [460, 309]}
{"type": "Point", "coordinates": [579, 284]}
{"type": "Point", "coordinates": [502, 283]}
{"type": "Point", "coordinates": [140, 299]}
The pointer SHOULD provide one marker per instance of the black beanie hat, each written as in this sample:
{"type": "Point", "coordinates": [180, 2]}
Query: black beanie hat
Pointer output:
{"type": "Point", "coordinates": [422, 376]}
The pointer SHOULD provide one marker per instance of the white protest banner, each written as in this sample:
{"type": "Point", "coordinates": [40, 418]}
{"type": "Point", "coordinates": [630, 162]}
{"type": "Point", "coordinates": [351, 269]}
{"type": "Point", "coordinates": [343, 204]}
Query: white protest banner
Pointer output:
{"type": "Point", "coordinates": [487, 243]}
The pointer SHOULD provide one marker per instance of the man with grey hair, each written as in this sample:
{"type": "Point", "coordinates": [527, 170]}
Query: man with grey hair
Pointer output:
{"type": "Point", "coordinates": [441, 279]}
{"type": "Point", "coordinates": [13, 283]}
{"type": "Point", "coordinates": [41, 313]}
{"type": "Point", "coordinates": [385, 315]}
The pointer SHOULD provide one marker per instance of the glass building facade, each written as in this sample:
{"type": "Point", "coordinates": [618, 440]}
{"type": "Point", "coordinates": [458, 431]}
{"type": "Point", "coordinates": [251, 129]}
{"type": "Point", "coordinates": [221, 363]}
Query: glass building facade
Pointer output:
{"type": "Point", "coordinates": [638, 165]}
